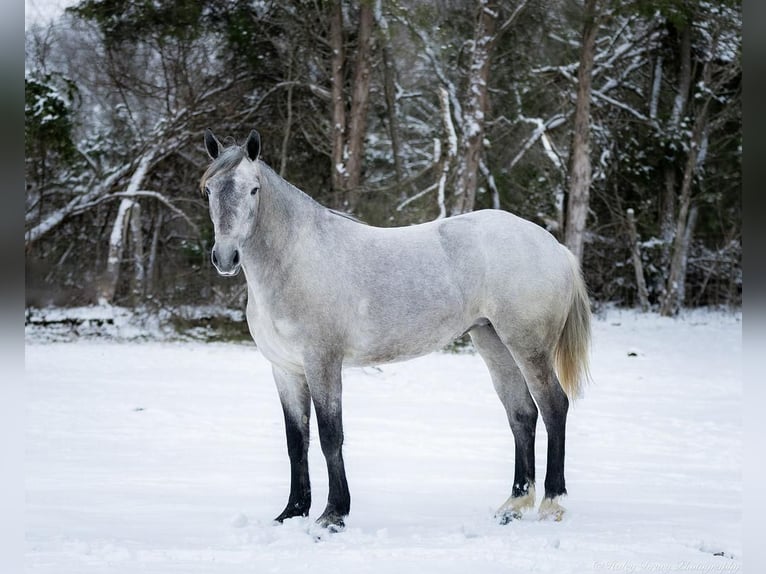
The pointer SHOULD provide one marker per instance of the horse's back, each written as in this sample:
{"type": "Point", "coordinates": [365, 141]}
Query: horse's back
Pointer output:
{"type": "Point", "coordinates": [507, 247]}
{"type": "Point", "coordinates": [487, 253]}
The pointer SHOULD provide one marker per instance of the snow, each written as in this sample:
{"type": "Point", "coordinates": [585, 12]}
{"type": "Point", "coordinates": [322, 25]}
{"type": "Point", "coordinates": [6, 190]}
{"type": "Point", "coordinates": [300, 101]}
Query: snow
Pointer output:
{"type": "Point", "coordinates": [170, 457]}
{"type": "Point", "coordinates": [44, 12]}
{"type": "Point", "coordinates": [549, 151]}
{"type": "Point", "coordinates": [123, 324]}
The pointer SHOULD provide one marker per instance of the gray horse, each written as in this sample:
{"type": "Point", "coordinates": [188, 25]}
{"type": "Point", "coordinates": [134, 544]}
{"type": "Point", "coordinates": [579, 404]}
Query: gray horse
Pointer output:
{"type": "Point", "coordinates": [326, 291]}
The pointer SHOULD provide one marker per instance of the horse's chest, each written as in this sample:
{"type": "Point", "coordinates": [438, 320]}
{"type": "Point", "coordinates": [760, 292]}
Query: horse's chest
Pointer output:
{"type": "Point", "coordinates": [276, 338]}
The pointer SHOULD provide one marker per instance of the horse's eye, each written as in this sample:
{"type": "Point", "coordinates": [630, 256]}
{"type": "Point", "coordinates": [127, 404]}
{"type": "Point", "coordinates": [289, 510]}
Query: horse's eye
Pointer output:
{"type": "Point", "coordinates": [255, 190]}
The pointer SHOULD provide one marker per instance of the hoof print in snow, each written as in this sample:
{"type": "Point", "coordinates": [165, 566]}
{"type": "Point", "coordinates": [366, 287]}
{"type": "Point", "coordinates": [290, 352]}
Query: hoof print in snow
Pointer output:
{"type": "Point", "coordinates": [723, 554]}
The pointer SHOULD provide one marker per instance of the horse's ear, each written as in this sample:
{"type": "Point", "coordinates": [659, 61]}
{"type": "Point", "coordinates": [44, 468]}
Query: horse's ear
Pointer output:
{"type": "Point", "coordinates": [253, 145]}
{"type": "Point", "coordinates": [212, 145]}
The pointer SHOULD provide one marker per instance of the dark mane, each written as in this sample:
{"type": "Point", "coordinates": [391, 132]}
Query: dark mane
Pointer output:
{"type": "Point", "coordinates": [275, 179]}
{"type": "Point", "coordinates": [347, 216]}
{"type": "Point", "coordinates": [230, 158]}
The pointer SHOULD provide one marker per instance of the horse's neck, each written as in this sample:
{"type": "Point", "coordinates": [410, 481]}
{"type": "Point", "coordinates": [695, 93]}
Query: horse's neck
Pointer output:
{"type": "Point", "coordinates": [285, 216]}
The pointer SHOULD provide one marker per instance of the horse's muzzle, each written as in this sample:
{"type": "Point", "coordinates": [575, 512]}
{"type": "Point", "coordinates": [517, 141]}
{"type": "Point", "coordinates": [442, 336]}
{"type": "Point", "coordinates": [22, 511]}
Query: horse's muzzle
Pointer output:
{"type": "Point", "coordinates": [226, 261]}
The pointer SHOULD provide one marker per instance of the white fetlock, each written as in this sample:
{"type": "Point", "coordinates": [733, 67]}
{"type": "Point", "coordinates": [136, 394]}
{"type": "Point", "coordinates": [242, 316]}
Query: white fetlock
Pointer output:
{"type": "Point", "coordinates": [515, 506]}
{"type": "Point", "coordinates": [550, 509]}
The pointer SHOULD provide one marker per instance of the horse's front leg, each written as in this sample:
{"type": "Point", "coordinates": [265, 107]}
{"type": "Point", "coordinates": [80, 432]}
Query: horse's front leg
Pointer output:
{"type": "Point", "coordinates": [324, 380]}
{"type": "Point", "coordinates": [296, 405]}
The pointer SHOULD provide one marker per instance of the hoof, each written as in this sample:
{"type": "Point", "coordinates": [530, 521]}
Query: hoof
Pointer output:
{"type": "Point", "coordinates": [507, 516]}
{"type": "Point", "coordinates": [550, 509]}
{"type": "Point", "coordinates": [515, 506]}
{"type": "Point", "coordinates": [331, 521]}
{"type": "Point", "coordinates": [288, 513]}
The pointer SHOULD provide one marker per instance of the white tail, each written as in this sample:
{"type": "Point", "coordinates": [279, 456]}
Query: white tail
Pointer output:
{"type": "Point", "coordinates": [573, 347]}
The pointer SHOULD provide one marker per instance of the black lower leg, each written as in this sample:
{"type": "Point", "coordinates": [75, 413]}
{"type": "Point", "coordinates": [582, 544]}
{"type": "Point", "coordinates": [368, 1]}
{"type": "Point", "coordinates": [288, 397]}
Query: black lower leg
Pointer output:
{"type": "Point", "coordinates": [339, 499]}
{"type": "Point", "coordinates": [554, 475]}
{"type": "Point", "coordinates": [323, 373]}
{"type": "Point", "coordinates": [299, 502]}
{"type": "Point", "coordinates": [523, 426]}
{"type": "Point", "coordinates": [555, 424]}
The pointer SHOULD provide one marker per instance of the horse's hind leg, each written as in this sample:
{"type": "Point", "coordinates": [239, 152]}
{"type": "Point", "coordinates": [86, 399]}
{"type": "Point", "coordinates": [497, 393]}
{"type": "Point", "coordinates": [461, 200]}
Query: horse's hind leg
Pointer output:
{"type": "Point", "coordinates": [522, 416]}
{"type": "Point", "coordinates": [294, 396]}
{"type": "Point", "coordinates": [536, 363]}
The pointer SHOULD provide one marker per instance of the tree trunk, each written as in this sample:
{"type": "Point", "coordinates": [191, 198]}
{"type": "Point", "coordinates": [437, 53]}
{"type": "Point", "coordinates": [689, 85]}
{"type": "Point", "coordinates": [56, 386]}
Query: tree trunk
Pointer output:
{"type": "Point", "coordinates": [447, 158]}
{"type": "Point", "coordinates": [359, 103]}
{"type": "Point", "coordinates": [684, 78]}
{"type": "Point", "coordinates": [137, 242]}
{"type": "Point", "coordinates": [580, 174]}
{"type": "Point", "coordinates": [389, 92]}
{"type": "Point", "coordinates": [668, 214]}
{"type": "Point", "coordinates": [288, 119]}
{"type": "Point", "coordinates": [656, 88]}
{"type": "Point", "coordinates": [643, 294]}
{"type": "Point", "coordinates": [338, 100]}
{"type": "Point", "coordinates": [151, 265]}
{"type": "Point", "coordinates": [111, 277]}
{"type": "Point", "coordinates": [675, 288]}
{"type": "Point", "coordinates": [676, 284]}
{"type": "Point", "coordinates": [680, 102]}
{"type": "Point", "coordinates": [476, 108]}
{"type": "Point", "coordinates": [688, 234]}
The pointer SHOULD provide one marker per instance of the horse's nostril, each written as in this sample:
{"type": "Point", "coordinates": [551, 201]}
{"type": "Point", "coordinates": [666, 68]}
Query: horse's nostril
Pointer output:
{"type": "Point", "coordinates": [235, 261]}
{"type": "Point", "coordinates": [215, 259]}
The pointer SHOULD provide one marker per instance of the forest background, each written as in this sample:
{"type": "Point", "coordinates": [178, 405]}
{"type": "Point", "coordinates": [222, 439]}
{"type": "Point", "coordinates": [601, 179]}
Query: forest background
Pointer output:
{"type": "Point", "coordinates": [615, 125]}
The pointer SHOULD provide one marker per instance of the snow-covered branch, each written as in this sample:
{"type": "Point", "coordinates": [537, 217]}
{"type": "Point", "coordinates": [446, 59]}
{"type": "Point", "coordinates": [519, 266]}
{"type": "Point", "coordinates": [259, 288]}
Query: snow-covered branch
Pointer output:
{"type": "Point", "coordinates": [54, 219]}
{"type": "Point", "coordinates": [436, 65]}
{"type": "Point", "coordinates": [512, 18]}
{"type": "Point", "coordinates": [418, 195]}
{"type": "Point", "coordinates": [625, 107]}
{"type": "Point", "coordinates": [136, 194]}
{"type": "Point", "coordinates": [491, 183]}
{"type": "Point", "coordinates": [538, 132]}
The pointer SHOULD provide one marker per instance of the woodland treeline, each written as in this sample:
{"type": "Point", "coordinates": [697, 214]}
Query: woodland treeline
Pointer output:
{"type": "Point", "coordinates": [615, 125]}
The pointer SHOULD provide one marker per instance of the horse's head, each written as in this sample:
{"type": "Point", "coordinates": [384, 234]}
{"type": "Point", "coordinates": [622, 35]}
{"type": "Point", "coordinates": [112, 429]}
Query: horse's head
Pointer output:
{"type": "Point", "coordinates": [232, 184]}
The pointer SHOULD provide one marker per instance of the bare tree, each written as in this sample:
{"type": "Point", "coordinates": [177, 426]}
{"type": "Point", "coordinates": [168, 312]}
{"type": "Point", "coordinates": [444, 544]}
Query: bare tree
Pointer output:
{"type": "Point", "coordinates": [389, 90]}
{"type": "Point", "coordinates": [697, 103]}
{"type": "Point", "coordinates": [638, 266]}
{"type": "Point", "coordinates": [349, 130]}
{"type": "Point", "coordinates": [360, 99]}
{"type": "Point", "coordinates": [675, 288]}
{"type": "Point", "coordinates": [337, 64]}
{"type": "Point", "coordinates": [579, 162]}
{"type": "Point", "coordinates": [474, 112]}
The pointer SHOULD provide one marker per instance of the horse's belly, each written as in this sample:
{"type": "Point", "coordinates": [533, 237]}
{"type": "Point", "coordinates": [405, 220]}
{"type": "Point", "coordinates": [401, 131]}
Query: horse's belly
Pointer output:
{"type": "Point", "coordinates": [371, 334]}
{"type": "Point", "coordinates": [402, 344]}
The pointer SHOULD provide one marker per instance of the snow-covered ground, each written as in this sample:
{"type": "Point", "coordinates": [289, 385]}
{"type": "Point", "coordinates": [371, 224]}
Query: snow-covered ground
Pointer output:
{"type": "Point", "coordinates": [170, 457]}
